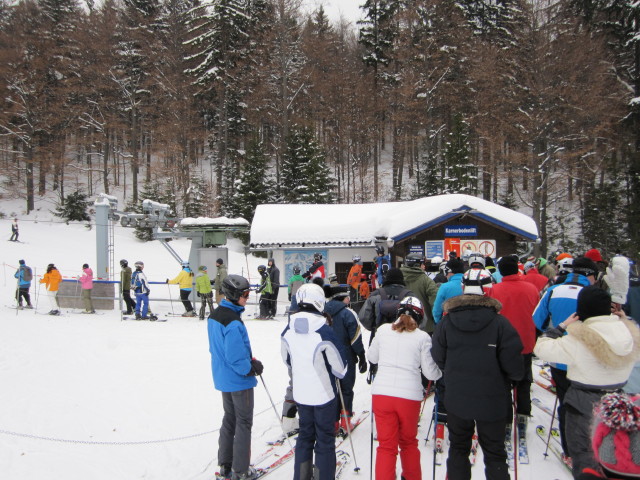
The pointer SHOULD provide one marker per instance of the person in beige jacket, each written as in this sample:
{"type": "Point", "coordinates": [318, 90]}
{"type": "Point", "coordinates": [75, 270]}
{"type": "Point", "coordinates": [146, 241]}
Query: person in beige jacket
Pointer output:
{"type": "Point", "coordinates": [600, 349]}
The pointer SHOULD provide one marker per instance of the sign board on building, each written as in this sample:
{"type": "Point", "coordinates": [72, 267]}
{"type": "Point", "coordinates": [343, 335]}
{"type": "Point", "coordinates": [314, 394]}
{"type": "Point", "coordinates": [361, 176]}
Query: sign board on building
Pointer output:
{"type": "Point", "coordinates": [452, 245]}
{"type": "Point", "coordinates": [434, 248]}
{"type": "Point", "coordinates": [416, 249]}
{"type": "Point", "coordinates": [485, 247]}
{"type": "Point", "coordinates": [461, 231]}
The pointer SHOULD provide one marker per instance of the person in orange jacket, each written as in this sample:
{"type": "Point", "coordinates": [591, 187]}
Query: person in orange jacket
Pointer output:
{"type": "Point", "coordinates": [365, 291]}
{"type": "Point", "coordinates": [52, 280]}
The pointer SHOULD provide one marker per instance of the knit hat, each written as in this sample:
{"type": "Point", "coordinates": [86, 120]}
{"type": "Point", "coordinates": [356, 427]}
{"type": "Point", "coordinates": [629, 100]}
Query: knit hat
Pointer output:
{"type": "Point", "coordinates": [508, 266]}
{"type": "Point", "coordinates": [86, 265]}
{"type": "Point", "coordinates": [21, 262]}
{"type": "Point", "coordinates": [541, 262]}
{"type": "Point", "coordinates": [202, 268]}
{"type": "Point", "coordinates": [594, 255]}
{"type": "Point", "coordinates": [488, 262]}
{"type": "Point", "coordinates": [585, 266]}
{"type": "Point", "coordinates": [592, 302]}
{"type": "Point", "coordinates": [616, 434]}
{"type": "Point", "coordinates": [528, 266]}
{"type": "Point", "coordinates": [219, 261]}
{"type": "Point", "coordinates": [394, 277]}
{"type": "Point", "coordinates": [563, 255]}
{"type": "Point", "coordinates": [339, 293]}
{"type": "Point", "coordinates": [455, 265]}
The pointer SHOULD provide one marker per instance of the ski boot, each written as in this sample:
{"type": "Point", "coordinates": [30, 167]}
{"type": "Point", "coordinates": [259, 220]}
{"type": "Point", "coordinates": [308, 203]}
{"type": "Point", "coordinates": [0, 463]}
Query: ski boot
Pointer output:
{"type": "Point", "coordinates": [224, 473]}
{"type": "Point", "coordinates": [345, 422]}
{"type": "Point", "coordinates": [250, 474]}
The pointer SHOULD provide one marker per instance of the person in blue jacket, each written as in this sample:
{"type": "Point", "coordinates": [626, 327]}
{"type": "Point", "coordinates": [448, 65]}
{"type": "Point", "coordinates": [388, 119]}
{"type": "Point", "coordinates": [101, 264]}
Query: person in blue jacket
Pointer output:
{"type": "Point", "coordinates": [452, 288]}
{"type": "Point", "coordinates": [344, 322]}
{"type": "Point", "coordinates": [558, 303]}
{"type": "Point", "coordinates": [24, 276]}
{"type": "Point", "coordinates": [234, 374]}
{"type": "Point", "coordinates": [383, 264]}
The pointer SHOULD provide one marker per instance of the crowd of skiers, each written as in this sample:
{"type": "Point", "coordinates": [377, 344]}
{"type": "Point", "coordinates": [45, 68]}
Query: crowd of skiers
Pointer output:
{"type": "Point", "coordinates": [472, 328]}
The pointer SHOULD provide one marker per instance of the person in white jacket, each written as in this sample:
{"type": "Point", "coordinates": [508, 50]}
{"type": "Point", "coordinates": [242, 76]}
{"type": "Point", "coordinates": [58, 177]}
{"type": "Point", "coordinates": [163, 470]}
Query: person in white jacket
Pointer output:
{"type": "Point", "coordinates": [316, 358]}
{"type": "Point", "coordinates": [401, 351]}
{"type": "Point", "coordinates": [600, 350]}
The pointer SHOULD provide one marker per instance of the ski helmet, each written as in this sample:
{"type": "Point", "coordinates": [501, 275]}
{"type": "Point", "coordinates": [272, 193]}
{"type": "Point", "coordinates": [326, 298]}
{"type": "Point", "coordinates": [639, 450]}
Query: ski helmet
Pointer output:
{"type": "Point", "coordinates": [124, 263]}
{"type": "Point", "coordinates": [411, 306]}
{"type": "Point", "coordinates": [317, 256]}
{"type": "Point", "coordinates": [139, 264]}
{"type": "Point", "coordinates": [296, 270]}
{"type": "Point", "coordinates": [476, 281]}
{"type": "Point", "coordinates": [380, 250]}
{"type": "Point", "coordinates": [476, 259]}
{"type": "Point", "coordinates": [333, 279]}
{"type": "Point", "coordinates": [444, 268]}
{"type": "Point", "coordinates": [357, 258]}
{"type": "Point", "coordinates": [234, 287]}
{"type": "Point", "coordinates": [184, 264]}
{"type": "Point", "coordinates": [414, 259]}
{"type": "Point", "coordinates": [311, 295]}
{"type": "Point", "coordinates": [262, 269]}
{"type": "Point", "coordinates": [437, 260]}
{"type": "Point", "coordinates": [202, 268]}
{"type": "Point", "coordinates": [565, 266]}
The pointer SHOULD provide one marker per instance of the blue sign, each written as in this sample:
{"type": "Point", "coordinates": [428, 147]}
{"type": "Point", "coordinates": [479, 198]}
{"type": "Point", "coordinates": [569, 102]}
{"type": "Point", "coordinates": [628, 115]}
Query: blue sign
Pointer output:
{"type": "Point", "coordinates": [435, 248]}
{"type": "Point", "coordinates": [416, 249]}
{"type": "Point", "coordinates": [461, 231]}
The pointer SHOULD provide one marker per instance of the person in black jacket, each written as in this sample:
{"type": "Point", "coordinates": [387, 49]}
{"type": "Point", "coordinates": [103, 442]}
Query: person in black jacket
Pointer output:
{"type": "Point", "coordinates": [344, 322]}
{"type": "Point", "coordinates": [479, 352]}
{"type": "Point", "coordinates": [274, 276]}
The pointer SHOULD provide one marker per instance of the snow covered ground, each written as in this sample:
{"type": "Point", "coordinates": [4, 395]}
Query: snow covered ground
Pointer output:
{"type": "Point", "coordinates": [93, 397]}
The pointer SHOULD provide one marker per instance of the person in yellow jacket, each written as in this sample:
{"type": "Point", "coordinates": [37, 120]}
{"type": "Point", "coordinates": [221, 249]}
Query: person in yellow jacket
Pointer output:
{"type": "Point", "coordinates": [52, 280]}
{"type": "Point", "coordinates": [185, 280]}
{"type": "Point", "coordinates": [204, 290]}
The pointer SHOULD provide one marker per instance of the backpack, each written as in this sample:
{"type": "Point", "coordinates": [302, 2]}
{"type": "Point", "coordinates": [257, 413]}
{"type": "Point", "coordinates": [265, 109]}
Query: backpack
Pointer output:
{"type": "Point", "coordinates": [136, 283]}
{"type": "Point", "coordinates": [27, 274]}
{"type": "Point", "coordinates": [388, 306]}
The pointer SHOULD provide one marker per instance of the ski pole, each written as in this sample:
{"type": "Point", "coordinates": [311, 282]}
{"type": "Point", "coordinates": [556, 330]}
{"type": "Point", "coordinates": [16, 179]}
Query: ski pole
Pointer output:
{"type": "Point", "coordinates": [424, 399]}
{"type": "Point", "coordinates": [435, 440]}
{"type": "Point", "coordinates": [371, 452]}
{"type": "Point", "coordinates": [353, 452]}
{"type": "Point", "coordinates": [170, 299]}
{"type": "Point", "coordinates": [515, 432]}
{"type": "Point", "coordinates": [37, 297]}
{"type": "Point", "coordinates": [553, 417]}
{"type": "Point", "coordinates": [276, 412]}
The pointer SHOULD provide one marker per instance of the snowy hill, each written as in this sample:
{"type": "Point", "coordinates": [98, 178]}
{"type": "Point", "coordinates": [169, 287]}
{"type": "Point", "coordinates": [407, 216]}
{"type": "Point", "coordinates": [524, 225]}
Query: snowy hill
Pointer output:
{"type": "Point", "coordinates": [94, 397]}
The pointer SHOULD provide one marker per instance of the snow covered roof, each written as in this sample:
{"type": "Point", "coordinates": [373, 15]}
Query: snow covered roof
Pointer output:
{"type": "Point", "coordinates": [213, 222]}
{"type": "Point", "coordinates": [303, 225]}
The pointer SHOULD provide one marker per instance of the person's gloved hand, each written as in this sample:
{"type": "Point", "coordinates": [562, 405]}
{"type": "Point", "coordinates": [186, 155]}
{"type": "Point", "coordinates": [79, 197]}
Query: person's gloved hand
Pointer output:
{"type": "Point", "coordinates": [256, 368]}
{"type": "Point", "coordinates": [198, 294]}
{"type": "Point", "coordinates": [166, 281]}
{"type": "Point", "coordinates": [617, 279]}
{"type": "Point", "coordinates": [289, 297]}
{"type": "Point", "coordinates": [373, 369]}
{"type": "Point", "coordinates": [362, 363]}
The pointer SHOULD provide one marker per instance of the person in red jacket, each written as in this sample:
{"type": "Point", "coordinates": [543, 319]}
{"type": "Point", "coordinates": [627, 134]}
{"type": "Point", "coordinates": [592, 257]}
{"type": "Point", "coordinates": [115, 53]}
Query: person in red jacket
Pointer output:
{"type": "Point", "coordinates": [519, 299]}
{"type": "Point", "coordinates": [532, 276]}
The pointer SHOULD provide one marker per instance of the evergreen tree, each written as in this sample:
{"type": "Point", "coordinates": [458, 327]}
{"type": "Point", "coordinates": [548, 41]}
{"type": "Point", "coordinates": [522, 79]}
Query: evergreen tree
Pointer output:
{"type": "Point", "coordinates": [197, 200]}
{"type": "Point", "coordinates": [460, 174]}
{"type": "Point", "coordinates": [305, 175]}
{"type": "Point", "coordinates": [255, 185]}
{"type": "Point", "coordinates": [74, 207]}
{"type": "Point", "coordinates": [430, 167]}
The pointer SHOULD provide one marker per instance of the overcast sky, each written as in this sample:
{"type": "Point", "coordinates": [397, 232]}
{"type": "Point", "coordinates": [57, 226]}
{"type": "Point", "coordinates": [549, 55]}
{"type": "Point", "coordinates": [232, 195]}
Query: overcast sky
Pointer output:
{"type": "Point", "coordinates": [349, 9]}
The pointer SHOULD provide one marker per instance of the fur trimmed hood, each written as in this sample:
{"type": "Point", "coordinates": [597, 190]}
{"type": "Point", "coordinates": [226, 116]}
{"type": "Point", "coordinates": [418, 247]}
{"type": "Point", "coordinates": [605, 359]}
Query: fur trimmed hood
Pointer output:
{"type": "Point", "coordinates": [612, 340]}
{"type": "Point", "coordinates": [471, 301]}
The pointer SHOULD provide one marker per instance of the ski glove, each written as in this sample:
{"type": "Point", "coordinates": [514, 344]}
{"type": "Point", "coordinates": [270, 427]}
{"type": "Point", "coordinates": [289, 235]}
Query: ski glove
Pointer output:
{"type": "Point", "coordinates": [373, 369]}
{"type": "Point", "coordinates": [362, 363]}
{"type": "Point", "coordinates": [256, 368]}
{"type": "Point", "coordinates": [166, 281]}
{"type": "Point", "coordinates": [617, 279]}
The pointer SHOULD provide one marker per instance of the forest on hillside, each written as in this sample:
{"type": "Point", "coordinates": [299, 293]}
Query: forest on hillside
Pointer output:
{"type": "Point", "coordinates": [216, 106]}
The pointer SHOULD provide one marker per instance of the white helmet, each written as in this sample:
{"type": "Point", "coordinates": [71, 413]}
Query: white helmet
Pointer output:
{"type": "Point", "coordinates": [565, 266]}
{"type": "Point", "coordinates": [476, 257]}
{"type": "Point", "coordinates": [311, 295]}
{"type": "Point", "coordinates": [411, 306]}
{"type": "Point", "coordinates": [437, 260]}
{"type": "Point", "coordinates": [356, 258]}
{"type": "Point", "coordinates": [476, 281]}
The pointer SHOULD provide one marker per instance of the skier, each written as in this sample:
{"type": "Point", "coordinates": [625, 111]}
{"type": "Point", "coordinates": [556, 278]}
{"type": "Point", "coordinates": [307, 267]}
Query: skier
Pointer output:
{"type": "Point", "coordinates": [519, 299]}
{"type": "Point", "coordinates": [221, 274]}
{"type": "Point", "coordinates": [555, 306]}
{"type": "Point", "coordinates": [401, 352]}
{"type": "Point", "coordinates": [274, 277]}
{"type": "Point", "coordinates": [125, 285]}
{"type": "Point", "coordinates": [383, 264]}
{"type": "Point", "coordinates": [52, 279]}
{"type": "Point", "coordinates": [204, 291]}
{"type": "Point", "coordinates": [234, 370]}
{"type": "Point", "coordinates": [312, 351]}
{"type": "Point", "coordinates": [479, 353]}
{"type": "Point", "coordinates": [453, 287]}
{"type": "Point", "coordinates": [433, 269]}
{"type": "Point", "coordinates": [184, 279]}
{"type": "Point", "coordinates": [441, 277]}
{"type": "Point", "coordinates": [24, 276]}
{"type": "Point", "coordinates": [14, 231]}
{"type": "Point", "coordinates": [600, 350]}
{"type": "Point", "coordinates": [316, 270]}
{"type": "Point", "coordinates": [354, 279]}
{"type": "Point", "coordinates": [532, 276]}
{"type": "Point", "coordinates": [364, 289]}
{"type": "Point", "coordinates": [140, 287]}
{"type": "Point", "coordinates": [86, 280]}
{"type": "Point", "coordinates": [344, 322]}
{"type": "Point", "coordinates": [422, 287]}
{"type": "Point", "coordinates": [295, 282]}
{"type": "Point", "coordinates": [265, 290]}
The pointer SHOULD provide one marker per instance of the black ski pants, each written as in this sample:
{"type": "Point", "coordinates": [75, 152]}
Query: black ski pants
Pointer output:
{"type": "Point", "coordinates": [129, 302]}
{"type": "Point", "coordinates": [234, 441]}
{"type": "Point", "coordinates": [184, 297]}
{"type": "Point", "coordinates": [562, 385]}
{"type": "Point", "coordinates": [23, 292]}
{"type": "Point", "coordinates": [491, 439]}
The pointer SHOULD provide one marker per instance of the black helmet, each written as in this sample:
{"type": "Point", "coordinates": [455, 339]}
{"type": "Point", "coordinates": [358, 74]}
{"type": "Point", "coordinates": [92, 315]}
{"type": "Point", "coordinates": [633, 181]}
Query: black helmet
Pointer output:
{"type": "Point", "coordinates": [296, 270]}
{"type": "Point", "coordinates": [123, 263]}
{"type": "Point", "coordinates": [234, 286]}
{"type": "Point", "coordinates": [317, 256]}
{"type": "Point", "coordinates": [262, 268]}
{"type": "Point", "coordinates": [380, 250]}
{"type": "Point", "coordinates": [414, 259]}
